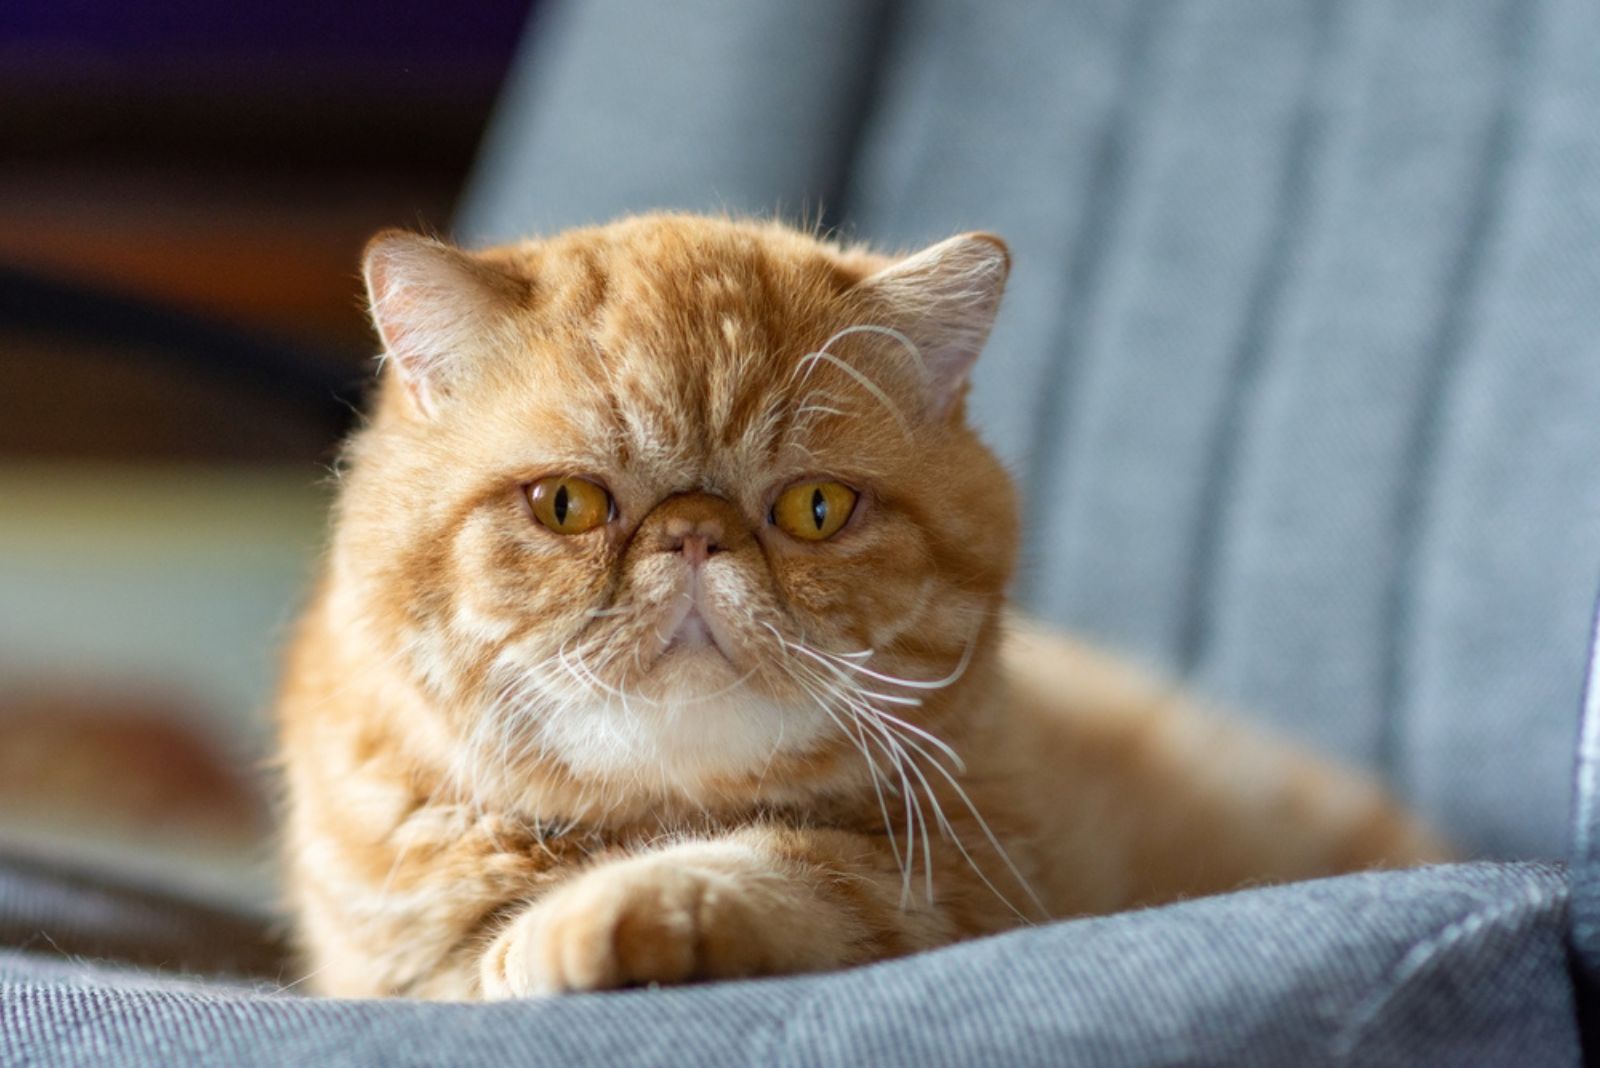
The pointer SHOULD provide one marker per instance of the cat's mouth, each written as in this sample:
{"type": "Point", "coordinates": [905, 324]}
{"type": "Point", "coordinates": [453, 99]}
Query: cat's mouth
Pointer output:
{"type": "Point", "coordinates": [692, 659]}
{"type": "Point", "coordinates": [692, 633]}
{"type": "Point", "coordinates": [690, 630]}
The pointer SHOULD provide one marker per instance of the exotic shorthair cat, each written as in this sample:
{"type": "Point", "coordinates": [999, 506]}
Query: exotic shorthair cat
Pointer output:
{"type": "Point", "coordinates": [663, 637]}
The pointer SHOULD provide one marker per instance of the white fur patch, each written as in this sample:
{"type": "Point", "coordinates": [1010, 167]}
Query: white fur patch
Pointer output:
{"type": "Point", "coordinates": [717, 727]}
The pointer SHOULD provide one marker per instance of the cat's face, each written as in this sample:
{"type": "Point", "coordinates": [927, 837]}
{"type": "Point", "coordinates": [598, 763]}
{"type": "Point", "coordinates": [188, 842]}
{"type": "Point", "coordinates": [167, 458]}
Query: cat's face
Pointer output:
{"type": "Point", "coordinates": [667, 498]}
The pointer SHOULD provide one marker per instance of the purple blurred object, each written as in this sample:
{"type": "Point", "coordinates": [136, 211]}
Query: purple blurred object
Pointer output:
{"type": "Point", "coordinates": [386, 45]}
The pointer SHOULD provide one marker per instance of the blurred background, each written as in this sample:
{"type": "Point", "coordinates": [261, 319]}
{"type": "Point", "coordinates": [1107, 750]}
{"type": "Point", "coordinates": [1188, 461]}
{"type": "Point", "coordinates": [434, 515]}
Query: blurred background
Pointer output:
{"type": "Point", "coordinates": [1299, 367]}
{"type": "Point", "coordinates": [185, 189]}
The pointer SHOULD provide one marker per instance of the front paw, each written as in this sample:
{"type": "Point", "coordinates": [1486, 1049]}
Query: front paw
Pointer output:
{"type": "Point", "coordinates": [663, 919]}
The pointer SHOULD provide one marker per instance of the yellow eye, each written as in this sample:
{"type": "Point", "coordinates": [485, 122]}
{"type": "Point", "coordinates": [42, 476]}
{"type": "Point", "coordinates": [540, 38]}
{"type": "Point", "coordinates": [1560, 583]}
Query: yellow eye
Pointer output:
{"type": "Point", "coordinates": [813, 511]}
{"type": "Point", "coordinates": [569, 505]}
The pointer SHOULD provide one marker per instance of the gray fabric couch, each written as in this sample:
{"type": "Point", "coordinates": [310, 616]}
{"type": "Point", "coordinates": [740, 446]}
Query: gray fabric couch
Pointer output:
{"type": "Point", "coordinates": [1452, 966]}
{"type": "Point", "coordinates": [1300, 371]}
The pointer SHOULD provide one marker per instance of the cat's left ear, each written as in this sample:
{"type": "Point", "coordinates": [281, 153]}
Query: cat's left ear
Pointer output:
{"type": "Point", "coordinates": [945, 299]}
{"type": "Point", "coordinates": [433, 306]}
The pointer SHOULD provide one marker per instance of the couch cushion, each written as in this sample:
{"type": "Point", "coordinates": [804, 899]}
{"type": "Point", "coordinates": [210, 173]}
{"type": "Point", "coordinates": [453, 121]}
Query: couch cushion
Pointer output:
{"type": "Point", "coordinates": [52, 907]}
{"type": "Point", "coordinates": [1448, 966]}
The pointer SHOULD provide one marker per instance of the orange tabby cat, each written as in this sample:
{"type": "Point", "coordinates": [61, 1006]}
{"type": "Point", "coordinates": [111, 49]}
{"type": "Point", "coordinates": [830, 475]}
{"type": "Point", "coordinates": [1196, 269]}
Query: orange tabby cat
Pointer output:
{"type": "Point", "coordinates": [662, 638]}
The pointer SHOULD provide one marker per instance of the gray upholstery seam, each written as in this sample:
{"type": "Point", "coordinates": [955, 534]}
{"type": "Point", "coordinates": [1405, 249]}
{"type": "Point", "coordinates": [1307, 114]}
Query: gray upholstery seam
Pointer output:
{"type": "Point", "coordinates": [1414, 496]}
{"type": "Point", "coordinates": [864, 105]}
{"type": "Point", "coordinates": [1101, 210]}
{"type": "Point", "coordinates": [925, 146]}
{"type": "Point", "coordinates": [1424, 952]}
{"type": "Point", "coordinates": [1263, 306]}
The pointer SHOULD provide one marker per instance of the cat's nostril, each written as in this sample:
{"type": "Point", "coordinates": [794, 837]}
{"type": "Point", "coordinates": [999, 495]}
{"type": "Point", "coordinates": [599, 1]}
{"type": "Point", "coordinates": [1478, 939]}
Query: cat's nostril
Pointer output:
{"type": "Point", "coordinates": [697, 531]}
{"type": "Point", "coordinates": [696, 548]}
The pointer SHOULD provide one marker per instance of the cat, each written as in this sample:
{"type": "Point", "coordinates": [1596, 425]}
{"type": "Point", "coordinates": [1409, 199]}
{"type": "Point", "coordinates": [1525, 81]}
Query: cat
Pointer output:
{"type": "Point", "coordinates": [663, 637]}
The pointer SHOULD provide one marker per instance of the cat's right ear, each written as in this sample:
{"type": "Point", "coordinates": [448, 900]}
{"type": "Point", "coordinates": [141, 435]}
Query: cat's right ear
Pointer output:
{"type": "Point", "coordinates": [431, 304]}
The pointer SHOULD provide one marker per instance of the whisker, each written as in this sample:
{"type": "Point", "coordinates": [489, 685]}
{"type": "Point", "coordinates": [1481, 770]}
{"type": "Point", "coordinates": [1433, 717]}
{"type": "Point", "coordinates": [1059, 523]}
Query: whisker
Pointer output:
{"type": "Point", "coordinates": [902, 742]}
{"type": "Point", "coordinates": [917, 684]}
{"type": "Point", "coordinates": [874, 773]}
{"type": "Point", "coordinates": [988, 833]}
{"type": "Point", "coordinates": [870, 328]}
{"type": "Point", "coordinates": [809, 680]}
{"type": "Point", "coordinates": [819, 409]}
{"type": "Point", "coordinates": [865, 383]}
{"type": "Point", "coordinates": [821, 659]}
{"type": "Point", "coordinates": [902, 761]}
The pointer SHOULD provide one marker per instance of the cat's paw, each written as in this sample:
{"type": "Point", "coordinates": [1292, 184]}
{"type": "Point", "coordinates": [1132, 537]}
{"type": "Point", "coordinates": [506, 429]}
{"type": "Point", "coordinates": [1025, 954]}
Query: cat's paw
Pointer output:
{"type": "Point", "coordinates": [670, 918]}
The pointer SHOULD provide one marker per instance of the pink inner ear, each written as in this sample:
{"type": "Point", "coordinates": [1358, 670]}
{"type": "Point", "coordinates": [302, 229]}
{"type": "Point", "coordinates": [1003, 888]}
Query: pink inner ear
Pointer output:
{"type": "Point", "coordinates": [399, 313]}
{"type": "Point", "coordinates": [395, 313]}
{"type": "Point", "coordinates": [426, 303]}
{"type": "Point", "coordinates": [947, 297]}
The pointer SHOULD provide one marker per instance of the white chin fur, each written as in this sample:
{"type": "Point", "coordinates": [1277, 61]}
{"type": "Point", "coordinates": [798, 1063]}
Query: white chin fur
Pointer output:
{"type": "Point", "coordinates": [695, 722]}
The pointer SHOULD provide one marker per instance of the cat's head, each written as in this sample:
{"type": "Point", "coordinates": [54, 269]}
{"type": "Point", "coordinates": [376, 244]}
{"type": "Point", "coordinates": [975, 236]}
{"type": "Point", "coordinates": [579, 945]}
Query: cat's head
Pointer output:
{"type": "Point", "coordinates": [676, 499]}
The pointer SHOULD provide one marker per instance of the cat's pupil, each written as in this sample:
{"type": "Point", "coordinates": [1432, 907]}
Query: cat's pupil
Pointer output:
{"type": "Point", "coordinates": [819, 507]}
{"type": "Point", "coordinates": [560, 504]}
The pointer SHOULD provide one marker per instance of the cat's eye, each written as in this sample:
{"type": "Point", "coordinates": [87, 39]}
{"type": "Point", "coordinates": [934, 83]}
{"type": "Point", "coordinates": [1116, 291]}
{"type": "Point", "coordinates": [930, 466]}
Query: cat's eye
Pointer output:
{"type": "Point", "coordinates": [813, 511]}
{"type": "Point", "coordinates": [567, 504]}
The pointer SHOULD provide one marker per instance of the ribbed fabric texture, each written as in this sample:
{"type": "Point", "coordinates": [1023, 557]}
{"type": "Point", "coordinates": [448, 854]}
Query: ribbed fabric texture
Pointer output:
{"type": "Point", "coordinates": [1451, 966]}
{"type": "Point", "coordinates": [1300, 363]}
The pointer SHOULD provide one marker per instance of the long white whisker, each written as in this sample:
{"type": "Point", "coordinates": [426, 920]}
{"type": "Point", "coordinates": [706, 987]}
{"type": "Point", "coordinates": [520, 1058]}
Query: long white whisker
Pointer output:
{"type": "Point", "coordinates": [871, 328]}
{"type": "Point", "coordinates": [859, 737]}
{"type": "Point", "coordinates": [901, 760]}
{"type": "Point", "coordinates": [904, 860]}
{"type": "Point", "coordinates": [916, 821]}
{"type": "Point", "coordinates": [892, 698]}
{"type": "Point", "coordinates": [865, 383]}
{"type": "Point", "coordinates": [826, 662]}
{"type": "Point", "coordinates": [988, 833]}
{"type": "Point", "coordinates": [916, 684]}
{"type": "Point", "coordinates": [814, 409]}
{"type": "Point", "coordinates": [933, 739]}
{"type": "Point", "coordinates": [948, 831]}
{"type": "Point", "coordinates": [902, 742]}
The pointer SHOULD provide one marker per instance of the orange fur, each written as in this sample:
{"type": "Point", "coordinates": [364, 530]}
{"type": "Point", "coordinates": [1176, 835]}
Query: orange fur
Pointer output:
{"type": "Point", "coordinates": [509, 772]}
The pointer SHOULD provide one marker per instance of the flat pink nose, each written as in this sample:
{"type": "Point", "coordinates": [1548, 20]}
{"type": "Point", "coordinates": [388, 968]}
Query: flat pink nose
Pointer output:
{"type": "Point", "coordinates": [697, 525]}
{"type": "Point", "coordinates": [695, 538]}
